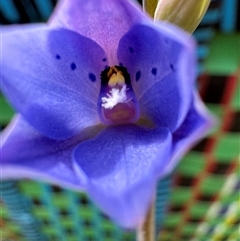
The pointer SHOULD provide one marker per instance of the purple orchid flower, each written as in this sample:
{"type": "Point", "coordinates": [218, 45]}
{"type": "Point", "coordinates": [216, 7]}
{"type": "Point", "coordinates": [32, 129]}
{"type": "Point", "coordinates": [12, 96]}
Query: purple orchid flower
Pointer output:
{"type": "Point", "coordinates": [106, 102]}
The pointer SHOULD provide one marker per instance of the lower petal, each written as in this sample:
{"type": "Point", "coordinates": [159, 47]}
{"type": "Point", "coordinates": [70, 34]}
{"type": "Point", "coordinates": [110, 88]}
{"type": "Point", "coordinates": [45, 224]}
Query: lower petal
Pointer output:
{"type": "Point", "coordinates": [25, 153]}
{"type": "Point", "coordinates": [196, 125]}
{"type": "Point", "coordinates": [120, 167]}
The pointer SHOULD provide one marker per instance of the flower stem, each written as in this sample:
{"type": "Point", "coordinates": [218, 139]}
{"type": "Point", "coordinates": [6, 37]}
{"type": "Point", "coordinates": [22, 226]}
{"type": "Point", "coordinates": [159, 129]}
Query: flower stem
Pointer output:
{"type": "Point", "coordinates": [146, 231]}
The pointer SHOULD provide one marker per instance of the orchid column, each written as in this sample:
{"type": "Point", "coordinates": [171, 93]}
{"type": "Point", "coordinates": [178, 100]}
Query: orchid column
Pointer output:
{"type": "Point", "coordinates": [106, 103]}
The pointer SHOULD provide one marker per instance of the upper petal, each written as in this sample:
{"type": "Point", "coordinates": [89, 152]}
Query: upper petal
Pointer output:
{"type": "Point", "coordinates": [120, 167]}
{"type": "Point", "coordinates": [104, 21]}
{"type": "Point", "coordinates": [25, 153]}
{"type": "Point", "coordinates": [52, 76]}
{"type": "Point", "coordinates": [161, 64]}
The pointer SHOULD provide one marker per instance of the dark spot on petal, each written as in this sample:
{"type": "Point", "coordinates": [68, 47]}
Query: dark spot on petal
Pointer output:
{"type": "Point", "coordinates": [104, 59]}
{"type": "Point", "coordinates": [166, 41]}
{"type": "Point", "coordinates": [138, 75]}
{"type": "Point", "coordinates": [92, 77]}
{"type": "Point", "coordinates": [58, 56]}
{"type": "Point", "coordinates": [172, 67]}
{"type": "Point", "coordinates": [120, 64]}
{"type": "Point", "coordinates": [73, 66]}
{"type": "Point", "coordinates": [154, 71]}
{"type": "Point", "coordinates": [131, 50]}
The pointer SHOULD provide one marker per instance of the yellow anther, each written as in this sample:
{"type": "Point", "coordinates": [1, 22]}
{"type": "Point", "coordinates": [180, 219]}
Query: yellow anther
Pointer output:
{"type": "Point", "coordinates": [121, 80]}
{"type": "Point", "coordinates": [110, 72]}
{"type": "Point", "coordinates": [113, 80]}
{"type": "Point", "coordinates": [115, 77]}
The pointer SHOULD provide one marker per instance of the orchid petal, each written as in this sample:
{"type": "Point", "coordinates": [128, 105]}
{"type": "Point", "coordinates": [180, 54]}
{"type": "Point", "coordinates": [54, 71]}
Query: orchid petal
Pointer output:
{"type": "Point", "coordinates": [25, 153]}
{"type": "Point", "coordinates": [195, 126]}
{"type": "Point", "coordinates": [52, 77]}
{"type": "Point", "coordinates": [162, 74]}
{"type": "Point", "coordinates": [104, 21]}
{"type": "Point", "coordinates": [120, 166]}
{"type": "Point", "coordinates": [185, 14]}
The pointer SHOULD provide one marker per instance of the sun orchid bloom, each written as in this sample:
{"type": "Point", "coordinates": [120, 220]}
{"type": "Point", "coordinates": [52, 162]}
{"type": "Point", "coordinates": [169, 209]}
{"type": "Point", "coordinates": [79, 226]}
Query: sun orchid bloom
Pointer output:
{"type": "Point", "coordinates": [106, 103]}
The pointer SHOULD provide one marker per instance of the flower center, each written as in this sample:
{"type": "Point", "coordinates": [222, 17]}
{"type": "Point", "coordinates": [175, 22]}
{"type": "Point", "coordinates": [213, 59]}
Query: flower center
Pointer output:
{"type": "Point", "coordinates": [117, 102]}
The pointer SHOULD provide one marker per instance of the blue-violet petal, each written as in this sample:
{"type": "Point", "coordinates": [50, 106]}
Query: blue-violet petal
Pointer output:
{"type": "Point", "coordinates": [195, 126]}
{"type": "Point", "coordinates": [25, 153]}
{"type": "Point", "coordinates": [47, 76]}
{"type": "Point", "coordinates": [104, 21]}
{"type": "Point", "coordinates": [120, 167]}
{"type": "Point", "coordinates": [162, 73]}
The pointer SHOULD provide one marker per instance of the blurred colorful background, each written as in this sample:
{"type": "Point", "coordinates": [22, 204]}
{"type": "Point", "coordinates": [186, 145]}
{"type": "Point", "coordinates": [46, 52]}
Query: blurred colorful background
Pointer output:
{"type": "Point", "coordinates": [201, 199]}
